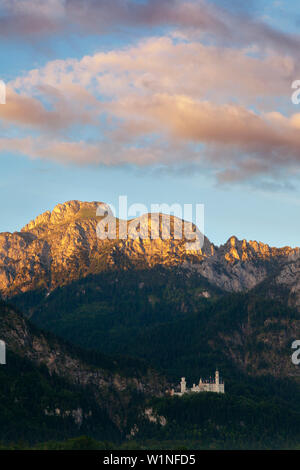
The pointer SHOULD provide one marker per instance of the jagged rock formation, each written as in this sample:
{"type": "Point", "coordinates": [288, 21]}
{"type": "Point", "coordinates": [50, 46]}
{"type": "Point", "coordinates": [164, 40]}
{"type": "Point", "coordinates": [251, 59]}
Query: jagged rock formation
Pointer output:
{"type": "Point", "coordinates": [61, 246]}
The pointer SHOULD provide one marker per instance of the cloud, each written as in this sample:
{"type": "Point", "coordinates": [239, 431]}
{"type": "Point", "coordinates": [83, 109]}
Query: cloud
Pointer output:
{"type": "Point", "coordinates": [165, 64]}
{"type": "Point", "coordinates": [28, 18]}
{"type": "Point", "coordinates": [85, 153]}
{"type": "Point", "coordinates": [243, 142]}
{"type": "Point", "coordinates": [30, 112]}
{"type": "Point", "coordinates": [167, 101]}
{"type": "Point", "coordinates": [222, 21]}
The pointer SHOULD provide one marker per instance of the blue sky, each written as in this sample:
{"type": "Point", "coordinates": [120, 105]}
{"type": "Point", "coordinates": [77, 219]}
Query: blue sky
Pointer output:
{"type": "Point", "coordinates": [164, 102]}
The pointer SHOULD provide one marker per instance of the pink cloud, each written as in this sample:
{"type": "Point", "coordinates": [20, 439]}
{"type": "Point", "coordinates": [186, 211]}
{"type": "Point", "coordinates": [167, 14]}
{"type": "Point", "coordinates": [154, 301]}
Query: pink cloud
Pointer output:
{"type": "Point", "coordinates": [165, 101]}
{"type": "Point", "coordinates": [31, 18]}
{"type": "Point", "coordinates": [245, 143]}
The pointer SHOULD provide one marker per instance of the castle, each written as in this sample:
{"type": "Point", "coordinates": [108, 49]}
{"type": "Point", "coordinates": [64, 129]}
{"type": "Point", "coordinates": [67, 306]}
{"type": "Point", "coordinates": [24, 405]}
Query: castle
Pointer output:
{"type": "Point", "coordinates": [212, 385]}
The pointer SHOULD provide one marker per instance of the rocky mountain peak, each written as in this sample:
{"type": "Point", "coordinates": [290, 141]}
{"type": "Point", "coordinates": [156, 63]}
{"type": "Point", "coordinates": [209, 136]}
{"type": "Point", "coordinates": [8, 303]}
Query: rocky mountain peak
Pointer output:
{"type": "Point", "coordinates": [62, 245]}
{"type": "Point", "coordinates": [243, 250]}
{"type": "Point", "coordinates": [63, 213]}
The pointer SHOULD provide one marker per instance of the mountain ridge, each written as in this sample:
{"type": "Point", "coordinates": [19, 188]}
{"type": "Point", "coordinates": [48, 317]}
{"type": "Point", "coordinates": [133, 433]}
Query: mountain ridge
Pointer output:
{"type": "Point", "coordinates": [60, 246]}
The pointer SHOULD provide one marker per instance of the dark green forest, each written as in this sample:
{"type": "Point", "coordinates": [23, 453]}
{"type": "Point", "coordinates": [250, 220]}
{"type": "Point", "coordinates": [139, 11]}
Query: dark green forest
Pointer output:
{"type": "Point", "coordinates": [29, 397]}
{"type": "Point", "coordinates": [161, 316]}
{"type": "Point", "coordinates": [183, 326]}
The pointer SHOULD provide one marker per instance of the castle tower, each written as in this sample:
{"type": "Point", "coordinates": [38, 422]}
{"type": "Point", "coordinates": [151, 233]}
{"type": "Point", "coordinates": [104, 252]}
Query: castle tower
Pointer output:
{"type": "Point", "coordinates": [183, 385]}
{"type": "Point", "coordinates": [218, 386]}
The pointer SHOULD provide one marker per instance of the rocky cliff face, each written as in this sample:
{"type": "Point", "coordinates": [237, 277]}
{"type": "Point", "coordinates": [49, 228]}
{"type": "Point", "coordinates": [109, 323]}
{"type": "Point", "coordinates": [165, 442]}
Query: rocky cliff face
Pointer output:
{"type": "Point", "coordinates": [103, 377]}
{"type": "Point", "coordinates": [61, 246]}
{"type": "Point", "coordinates": [284, 285]}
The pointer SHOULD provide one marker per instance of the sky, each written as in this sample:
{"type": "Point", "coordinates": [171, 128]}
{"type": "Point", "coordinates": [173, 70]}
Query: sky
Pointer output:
{"type": "Point", "coordinates": [165, 101]}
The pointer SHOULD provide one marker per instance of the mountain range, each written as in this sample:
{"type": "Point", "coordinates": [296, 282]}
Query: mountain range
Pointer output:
{"type": "Point", "coordinates": [61, 246]}
{"type": "Point", "coordinates": [111, 324]}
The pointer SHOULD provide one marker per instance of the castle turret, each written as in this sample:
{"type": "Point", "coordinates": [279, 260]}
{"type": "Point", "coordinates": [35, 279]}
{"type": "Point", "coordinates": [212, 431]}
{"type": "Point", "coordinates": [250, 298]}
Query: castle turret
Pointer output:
{"type": "Point", "coordinates": [183, 385]}
{"type": "Point", "coordinates": [217, 378]}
